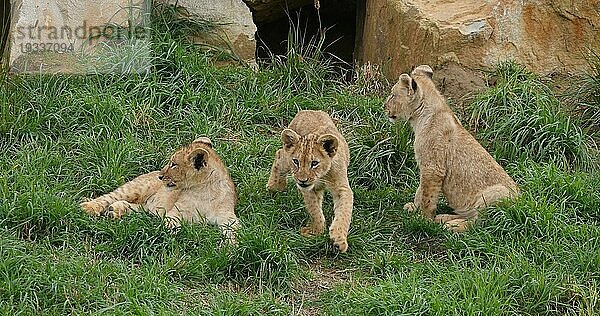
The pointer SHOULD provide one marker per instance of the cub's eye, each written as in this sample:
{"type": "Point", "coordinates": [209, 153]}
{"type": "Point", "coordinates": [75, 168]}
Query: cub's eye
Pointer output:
{"type": "Point", "coordinates": [296, 162]}
{"type": "Point", "coordinates": [173, 165]}
{"type": "Point", "coordinates": [314, 164]}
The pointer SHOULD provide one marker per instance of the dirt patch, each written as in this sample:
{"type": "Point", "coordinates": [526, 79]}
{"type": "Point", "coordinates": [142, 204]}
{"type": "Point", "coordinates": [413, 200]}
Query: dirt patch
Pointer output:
{"type": "Point", "coordinates": [322, 279]}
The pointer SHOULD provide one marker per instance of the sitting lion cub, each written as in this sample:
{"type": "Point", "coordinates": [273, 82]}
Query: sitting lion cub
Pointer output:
{"type": "Point", "coordinates": [449, 158]}
{"type": "Point", "coordinates": [194, 186]}
{"type": "Point", "coordinates": [318, 156]}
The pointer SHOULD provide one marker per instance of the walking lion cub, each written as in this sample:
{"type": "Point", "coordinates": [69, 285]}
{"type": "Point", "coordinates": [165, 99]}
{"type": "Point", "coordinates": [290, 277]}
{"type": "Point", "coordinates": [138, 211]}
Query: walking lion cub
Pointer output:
{"type": "Point", "coordinates": [450, 160]}
{"type": "Point", "coordinates": [194, 186]}
{"type": "Point", "coordinates": [317, 155]}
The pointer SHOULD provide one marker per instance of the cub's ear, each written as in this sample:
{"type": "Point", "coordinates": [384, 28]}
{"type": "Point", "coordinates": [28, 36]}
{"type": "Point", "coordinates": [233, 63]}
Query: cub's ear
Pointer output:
{"type": "Point", "coordinates": [203, 140]}
{"type": "Point", "coordinates": [329, 143]}
{"type": "Point", "coordinates": [289, 138]}
{"type": "Point", "coordinates": [408, 83]}
{"type": "Point", "coordinates": [198, 157]}
{"type": "Point", "coordinates": [423, 70]}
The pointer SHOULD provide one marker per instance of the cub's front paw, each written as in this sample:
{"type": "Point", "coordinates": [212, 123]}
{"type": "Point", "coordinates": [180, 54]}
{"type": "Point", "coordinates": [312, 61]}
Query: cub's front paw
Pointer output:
{"type": "Point", "coordinates": [410, 207]}
{"type": "Point", "coordinates": [309, 231]}
{"type": "Point", "coordinates": [339, 238]}
{"type": "Point", "coordinates": [172, 223]}
{"type": "Point", "coordinates": [118, 209]}
{"type": "Point", "coordinates": [92, 208]}
{"type": "Point", "coordinates": [340, 242]}
{"type": "Point", "coordinates": [278, 184]}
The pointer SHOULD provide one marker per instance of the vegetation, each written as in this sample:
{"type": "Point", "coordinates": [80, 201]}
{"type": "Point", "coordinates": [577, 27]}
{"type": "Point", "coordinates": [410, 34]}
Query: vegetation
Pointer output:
{"type": "Point", "coordinates": [522, 118]}
{"type": "Point", "coordinates": [64, 138]}
{"type": "Point", "coordinates": [584, 96]}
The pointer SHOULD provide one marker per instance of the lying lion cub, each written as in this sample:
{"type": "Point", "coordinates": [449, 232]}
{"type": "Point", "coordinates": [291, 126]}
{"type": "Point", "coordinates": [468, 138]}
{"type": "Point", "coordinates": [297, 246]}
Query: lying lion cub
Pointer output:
{"type": "Point", "coordinates": [449, 158]}
{"type": "Point", "coordinates": [194, 186]}
{"type": "Point", "coordinates": [318, 156]}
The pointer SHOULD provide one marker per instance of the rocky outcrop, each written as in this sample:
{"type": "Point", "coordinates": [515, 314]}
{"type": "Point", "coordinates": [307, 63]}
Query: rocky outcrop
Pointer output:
{"type": "Point", "coordinates": [235, 20]}
{"type": "Point", "coordinates": [461, 37]}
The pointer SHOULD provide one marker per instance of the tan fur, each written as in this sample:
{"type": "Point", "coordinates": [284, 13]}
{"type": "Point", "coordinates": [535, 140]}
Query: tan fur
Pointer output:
{"type": "Point", "coordinates": [312, 137]}
{"type": "Point", "coordinates": [194, 186]}
{"type": "Point", "coordinates": [450, 160]}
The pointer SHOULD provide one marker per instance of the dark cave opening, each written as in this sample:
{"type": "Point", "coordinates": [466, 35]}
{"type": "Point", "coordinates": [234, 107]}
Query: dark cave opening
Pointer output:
{"type": "Point", "coordinates": [337, 17]}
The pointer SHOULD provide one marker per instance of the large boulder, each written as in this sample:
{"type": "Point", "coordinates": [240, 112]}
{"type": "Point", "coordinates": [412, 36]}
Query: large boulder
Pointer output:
{"type": "Point", "coordinates": [235, 20]}
{"type": "Point", "coordinates": [459, 38]}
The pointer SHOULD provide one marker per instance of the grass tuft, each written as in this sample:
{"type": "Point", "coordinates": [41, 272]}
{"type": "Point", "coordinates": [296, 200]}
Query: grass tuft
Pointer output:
{"type": "Point", "coordinates": [584, 94]}
{"type": "Point", "coordinates": [305, 67]}
{"type": "Point", "coordinates": [521, 118]}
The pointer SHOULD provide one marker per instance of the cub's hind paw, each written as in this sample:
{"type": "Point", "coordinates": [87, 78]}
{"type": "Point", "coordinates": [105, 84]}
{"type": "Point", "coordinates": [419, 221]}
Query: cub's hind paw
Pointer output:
{"type": "Point", "coordinates": [443, 218]}
{"type": "Point", "coordinates": [457, 225]}
{"type": "Point", "coordinates": [118, 209]}
{"type": "Point", "coordinates": [92, 208]}
{"type": "Point", "coordinates": [309, 231]}
{"type": "Point", "coordinates": [410, 207]}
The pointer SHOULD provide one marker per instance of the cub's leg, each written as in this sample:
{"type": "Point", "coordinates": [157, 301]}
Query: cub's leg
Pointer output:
{"type": "Point", "coordinates": [313, 200]}
{"type": "Point", "coordinates": [428, 193]}
{"type": "Point", "coordinates": [135, 191]}
{"type": "Point", "coordinates": [491, 195]}
{"type": "Point", "coordinates": [343, 199]}
{"type": "Point", "coordinates": [465, 217]}
{"type": "Point", "coordinates": [279, 170]}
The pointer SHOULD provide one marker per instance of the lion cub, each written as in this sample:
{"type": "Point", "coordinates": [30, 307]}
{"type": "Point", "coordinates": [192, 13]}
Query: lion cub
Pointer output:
{"type": "Point", "coordinates": [450, 160]}
{"type": "Point", "coordinates": [317, 155]}
{"type": "Point", "coordinates": [194, 186]}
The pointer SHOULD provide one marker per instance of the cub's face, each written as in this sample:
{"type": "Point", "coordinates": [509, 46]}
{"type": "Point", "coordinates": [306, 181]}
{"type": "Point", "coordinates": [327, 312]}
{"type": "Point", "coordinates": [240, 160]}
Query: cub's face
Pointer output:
{"type": "Point", "coordinates": [309, 157]}
{"type": "Point", "coordinates": [187, 165]}
{"type": "Point", "coordinates": [402, 101]}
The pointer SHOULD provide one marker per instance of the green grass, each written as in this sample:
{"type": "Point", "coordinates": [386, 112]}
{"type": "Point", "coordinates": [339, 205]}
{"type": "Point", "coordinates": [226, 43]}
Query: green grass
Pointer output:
{"type": "Point", "coordinates": [584, 94]}
{"type": "Point", "coordinates": [521, 118]}
{"type": "Point", "coordinates": [64, 138]}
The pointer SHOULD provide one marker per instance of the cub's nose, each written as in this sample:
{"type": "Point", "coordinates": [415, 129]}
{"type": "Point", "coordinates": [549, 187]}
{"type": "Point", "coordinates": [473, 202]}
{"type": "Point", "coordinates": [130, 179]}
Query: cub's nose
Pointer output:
{"type": "Point", "coordinates": [303, 183]}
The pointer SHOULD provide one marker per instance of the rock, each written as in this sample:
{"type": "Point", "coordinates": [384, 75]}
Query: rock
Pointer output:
{"type": "Point", "coordinates": [65, 36]}
{"type": "Point", "coordinates": [265, 11]}
{"type": "Point", "coordinates": [235, 21]}
{"type": "Point", "coordinates": [37, 43]}
{"type": "Point", "coordinates": [547, 36]}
